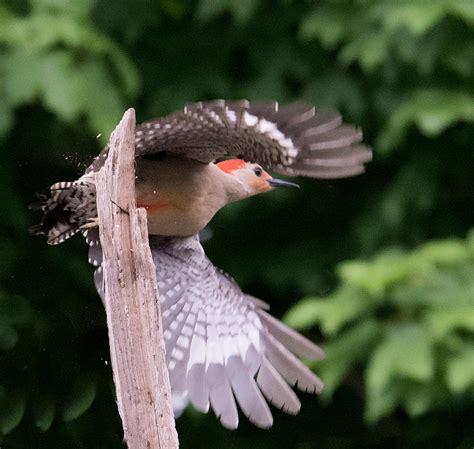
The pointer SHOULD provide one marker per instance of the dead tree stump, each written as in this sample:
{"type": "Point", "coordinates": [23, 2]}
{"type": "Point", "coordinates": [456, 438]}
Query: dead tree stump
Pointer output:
{"type": "Point", "coordinates": [137, 346]}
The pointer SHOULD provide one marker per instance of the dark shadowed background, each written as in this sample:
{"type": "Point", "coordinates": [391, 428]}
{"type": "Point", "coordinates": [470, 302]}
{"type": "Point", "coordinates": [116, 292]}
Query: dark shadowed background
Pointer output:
{"type": "Point", "coordinates": [379, 268]}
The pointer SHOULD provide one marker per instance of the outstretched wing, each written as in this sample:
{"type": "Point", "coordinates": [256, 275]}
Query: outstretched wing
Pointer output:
{"type": "Point", "coordinates": [222, 347]}
{"type": "Point", "coordinates": [294, 139]}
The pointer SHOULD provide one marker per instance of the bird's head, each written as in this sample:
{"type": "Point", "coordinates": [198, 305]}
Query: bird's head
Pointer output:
{"type": "Point", "coordinates": [253, 177]}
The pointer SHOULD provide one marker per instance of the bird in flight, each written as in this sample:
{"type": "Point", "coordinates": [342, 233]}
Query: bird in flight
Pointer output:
{"type": "Point", "coordinates": [223, 348]}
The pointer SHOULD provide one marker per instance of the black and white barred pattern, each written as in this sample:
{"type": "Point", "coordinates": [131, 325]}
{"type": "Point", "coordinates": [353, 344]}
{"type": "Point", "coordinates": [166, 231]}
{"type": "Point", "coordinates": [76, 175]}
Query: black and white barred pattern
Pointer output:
{"type": "Point", "coordinates": [293, 140]}
{"type": "Point", "coordinates": [223, 349]}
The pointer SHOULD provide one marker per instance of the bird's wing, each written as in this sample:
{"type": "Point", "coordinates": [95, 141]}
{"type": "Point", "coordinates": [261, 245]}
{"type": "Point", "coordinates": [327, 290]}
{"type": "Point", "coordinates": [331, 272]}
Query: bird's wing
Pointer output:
{"type": "Point", "coordinates": [294, 139]}
{"type": "Point", "coordinates": [222, 347]}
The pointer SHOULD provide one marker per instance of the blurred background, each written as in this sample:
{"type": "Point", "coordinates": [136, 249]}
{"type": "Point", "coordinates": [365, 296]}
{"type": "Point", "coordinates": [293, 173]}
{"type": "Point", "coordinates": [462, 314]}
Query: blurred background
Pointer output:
{"type": "Point", "coordinates": [379, 269]}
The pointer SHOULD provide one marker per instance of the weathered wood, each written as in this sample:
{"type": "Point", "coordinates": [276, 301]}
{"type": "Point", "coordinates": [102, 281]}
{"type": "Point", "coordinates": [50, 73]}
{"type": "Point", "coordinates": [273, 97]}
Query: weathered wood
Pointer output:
{"type": "Point", "coordinates": [133, 312]}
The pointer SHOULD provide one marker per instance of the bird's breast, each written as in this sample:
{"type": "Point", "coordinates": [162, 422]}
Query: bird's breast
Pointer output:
{"type": "Point", "coordinates": [179, 196]}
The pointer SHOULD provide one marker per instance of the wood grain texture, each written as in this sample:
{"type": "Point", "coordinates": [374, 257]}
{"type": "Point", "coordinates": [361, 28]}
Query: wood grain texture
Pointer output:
{"type": "Point", "coordinates": [133, 312]}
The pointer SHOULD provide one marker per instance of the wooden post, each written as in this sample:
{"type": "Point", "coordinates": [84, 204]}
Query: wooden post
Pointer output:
{"type": "Point", "coordinates": [137, 346]}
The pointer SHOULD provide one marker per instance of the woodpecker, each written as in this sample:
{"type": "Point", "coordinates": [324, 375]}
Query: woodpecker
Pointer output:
{"type": "Point", "coordinates": [223, 348]}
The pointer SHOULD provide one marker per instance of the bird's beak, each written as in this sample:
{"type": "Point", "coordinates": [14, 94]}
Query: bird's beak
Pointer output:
{"type": "Point", "coordinates": [280, 183]}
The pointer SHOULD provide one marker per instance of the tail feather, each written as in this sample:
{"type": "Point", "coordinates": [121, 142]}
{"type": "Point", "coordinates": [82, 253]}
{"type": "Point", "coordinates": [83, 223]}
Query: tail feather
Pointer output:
{"type": "Point", "coordinates": [68, 206]}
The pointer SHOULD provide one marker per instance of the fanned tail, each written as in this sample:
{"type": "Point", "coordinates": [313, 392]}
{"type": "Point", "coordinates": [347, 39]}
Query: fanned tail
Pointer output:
{"type": "Point", "coordinates": [68, 206]}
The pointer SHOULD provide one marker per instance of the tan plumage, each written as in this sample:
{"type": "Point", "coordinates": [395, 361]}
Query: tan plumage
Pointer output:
{"type": "Point", "coordinates": [223, 348]}
{"type": "Point", "coordinates": [167, 193]}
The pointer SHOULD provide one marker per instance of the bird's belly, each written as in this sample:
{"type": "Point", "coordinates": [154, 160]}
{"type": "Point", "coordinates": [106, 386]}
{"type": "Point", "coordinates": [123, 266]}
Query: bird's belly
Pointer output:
{"type": "Point", "coordinates": [175, 222]}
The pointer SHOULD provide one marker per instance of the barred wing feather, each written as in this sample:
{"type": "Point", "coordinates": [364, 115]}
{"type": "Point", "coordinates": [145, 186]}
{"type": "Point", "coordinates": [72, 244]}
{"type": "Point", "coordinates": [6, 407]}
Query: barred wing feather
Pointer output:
{"type": "Point", "coordinates": [295, 139]}
{"type": "Point", "coordinates": [222, 348]}
{"type": "Point", "coordinates": [225, 349]}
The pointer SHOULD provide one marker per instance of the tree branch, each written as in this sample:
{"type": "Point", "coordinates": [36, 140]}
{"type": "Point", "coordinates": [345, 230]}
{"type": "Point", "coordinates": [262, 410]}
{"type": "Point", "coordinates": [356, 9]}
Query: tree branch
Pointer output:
{"type": "Point", "coordinates": [131, 301]}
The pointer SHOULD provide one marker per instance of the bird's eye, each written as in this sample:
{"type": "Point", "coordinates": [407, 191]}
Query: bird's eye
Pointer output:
{"type": "Point", "coordinates": [258, 171]}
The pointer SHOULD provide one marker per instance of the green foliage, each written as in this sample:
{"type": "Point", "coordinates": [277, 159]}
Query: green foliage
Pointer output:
{"type": "Point", "coordinates": [81, 398]}
{"type": "Point", "coordinates": [405, 42]}
{"type": "Point", "coordinates": [412, 324]}
{"type": "Point", "coordinates": [398, 326]}
{"type": "Point", "coordinates": [432, 111]}
{"type": "Point", "coordinates": [12, 409]}
{"type": "Point", "coordinates": [74, 387]}
{"type": "Point", "coordinates": [241, 11]}
{"type": "Point", "coordinates": [62, 50]}
{"type": "Point", "coordinates": [43, 411]}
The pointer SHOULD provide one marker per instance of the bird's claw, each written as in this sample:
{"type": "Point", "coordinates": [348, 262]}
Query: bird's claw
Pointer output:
{"type": "Point", "coordinates": [90, 224]}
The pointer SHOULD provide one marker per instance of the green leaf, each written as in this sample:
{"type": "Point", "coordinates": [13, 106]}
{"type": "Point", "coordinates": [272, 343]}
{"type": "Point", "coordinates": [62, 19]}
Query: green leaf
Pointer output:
{"type": "Point", "coordinates": [12, 409]}
{"type": "Point", "coordinates": [460, 371]}
{"type": "Point", "coordinates": [444, 320]}
{"type": "Point", "coordinates": [305, 313]}
{"type": "Point", "coordinates": [101, 99]}
{"type": "Point", "coordinates": [44, 409]}
{"type": "Point", "coordinates": [416, 17]}
{"type": "Point", "coordinates": [370, 50]}
{"type": "Point", "coordinates": [20, 86]}
{"type": "Point", "coordinates": [80, 398]}
{"type": "Point", "coordinates": [404, 351]}
{"type": "Point", "coordinates": [331, 313]}
{"type": "Point", "coordinates": [462, 9]}
{"type": "Point", "coordinates": [432, 111]}
{"type": "Point", "coordinates": [58, 76]}
{"type": "Point", "coordinates": [443, 252]}
{"type": "Point", "coordinates": [436, 290]}
{"type": "Point", "coordinates": [327, 24]}
{"type": "Point", "coordinates": [418, 399]}
{"type": "Point", "coordinates": [380, 404]}
{"type": "Point", "coordinates": [385, 271]}
{"type": "Point", "coordinates": [343, 351]}
{"type": "Point", "coordinates": [60, 85]}
{"type": "Point", "coordinates": [408, 351]}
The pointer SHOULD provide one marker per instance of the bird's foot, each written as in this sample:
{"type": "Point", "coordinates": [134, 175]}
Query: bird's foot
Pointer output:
{"type": "Point", "coordinates": [90, 224]}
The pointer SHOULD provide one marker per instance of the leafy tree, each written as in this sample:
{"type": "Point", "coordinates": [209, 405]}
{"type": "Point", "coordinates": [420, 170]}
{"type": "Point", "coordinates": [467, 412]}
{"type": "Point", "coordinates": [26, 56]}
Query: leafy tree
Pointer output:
{"type": "Point", "coordinates": [408, 317]}
{"type": "Point", "coordinates": [396, 320]}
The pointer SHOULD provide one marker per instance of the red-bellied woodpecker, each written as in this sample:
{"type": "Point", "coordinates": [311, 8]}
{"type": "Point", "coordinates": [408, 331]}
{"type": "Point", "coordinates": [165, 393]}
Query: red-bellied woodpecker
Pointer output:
{"type": "Point", "coordinates": [222, 347]}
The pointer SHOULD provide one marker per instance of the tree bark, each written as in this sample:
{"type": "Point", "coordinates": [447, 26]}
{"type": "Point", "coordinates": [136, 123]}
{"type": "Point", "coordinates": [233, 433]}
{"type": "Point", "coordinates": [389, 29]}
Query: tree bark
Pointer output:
{"type": "Point", "coordinates": [132, 304]}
